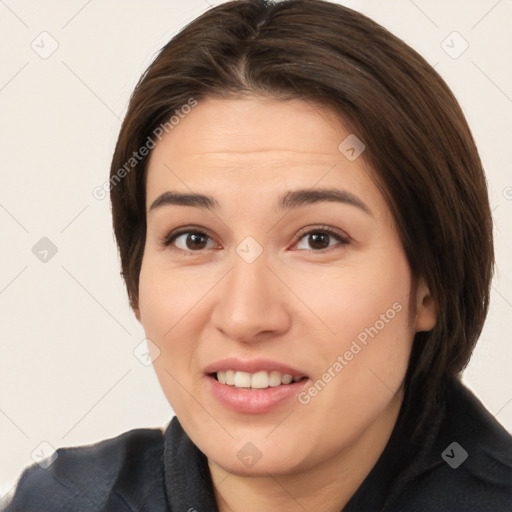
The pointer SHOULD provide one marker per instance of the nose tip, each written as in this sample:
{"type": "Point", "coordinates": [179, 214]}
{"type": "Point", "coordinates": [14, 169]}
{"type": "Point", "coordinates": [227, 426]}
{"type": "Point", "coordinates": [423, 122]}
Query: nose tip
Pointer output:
{"type": "Point", "coordinates": [251, 302]}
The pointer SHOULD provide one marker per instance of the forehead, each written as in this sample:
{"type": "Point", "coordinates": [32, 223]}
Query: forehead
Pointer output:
{"type": "Point", "coordinates": [256, 124]}
{"type": "Point", "coordinates": [256, 145]}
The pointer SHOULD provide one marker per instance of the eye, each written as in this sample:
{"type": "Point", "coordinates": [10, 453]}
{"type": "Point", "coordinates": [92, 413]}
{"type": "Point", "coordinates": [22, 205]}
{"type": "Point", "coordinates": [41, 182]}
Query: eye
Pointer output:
{"type": "Point", "coordinates": [320, 238]}
{"type": "Point", "coordinates": [191, 240]}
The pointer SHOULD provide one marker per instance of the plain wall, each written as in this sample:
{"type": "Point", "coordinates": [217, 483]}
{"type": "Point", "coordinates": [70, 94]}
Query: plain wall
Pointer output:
{"type": "Point", "coordinates": [67, 368]}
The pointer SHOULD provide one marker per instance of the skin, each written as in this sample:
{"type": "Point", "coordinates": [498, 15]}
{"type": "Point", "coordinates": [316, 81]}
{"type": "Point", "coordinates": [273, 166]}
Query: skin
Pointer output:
{"type": "Point", "coordinates": [296, 303]}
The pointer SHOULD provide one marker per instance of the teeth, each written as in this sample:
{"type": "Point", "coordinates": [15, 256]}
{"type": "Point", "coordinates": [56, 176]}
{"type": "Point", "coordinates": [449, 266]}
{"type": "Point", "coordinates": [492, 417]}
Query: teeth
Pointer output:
{"type": "Point", "coordinates": [286, 379]}
{"type": "Point", "coordinates": [258, 380]}
{"type": "Point", "coordinates": [230, 377]}
{"type": "Point", "coordinates": [242, 380]}
{"type": "Point", "coordinates": [274, 379]}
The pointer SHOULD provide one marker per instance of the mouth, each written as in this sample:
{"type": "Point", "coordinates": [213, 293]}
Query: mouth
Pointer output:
{"type": "Point", "coordinates": [256, 386]}
{"type": "Point", "coordinates": [259, 380]}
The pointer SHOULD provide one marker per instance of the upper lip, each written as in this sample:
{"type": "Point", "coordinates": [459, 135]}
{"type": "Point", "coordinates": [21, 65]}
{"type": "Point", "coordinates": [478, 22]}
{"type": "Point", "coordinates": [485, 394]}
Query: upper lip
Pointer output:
{"type": "Point", "coordinates": [253, 366]}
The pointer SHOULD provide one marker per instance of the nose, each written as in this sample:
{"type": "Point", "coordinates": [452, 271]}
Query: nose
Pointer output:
{"type": "Point", "coordinates": [251, 304]}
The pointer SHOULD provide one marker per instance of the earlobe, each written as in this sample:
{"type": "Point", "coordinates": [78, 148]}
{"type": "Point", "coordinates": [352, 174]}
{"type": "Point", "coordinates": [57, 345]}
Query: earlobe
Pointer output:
{"type": "Point", "coordinates": [426, 314]}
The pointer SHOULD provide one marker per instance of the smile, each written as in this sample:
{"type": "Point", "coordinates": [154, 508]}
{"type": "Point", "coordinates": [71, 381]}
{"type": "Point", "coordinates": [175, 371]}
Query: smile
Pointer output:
{"type": "Point", "coordinates": [259, 380]}
{"type": "Point", "coordinates": [253, 386]}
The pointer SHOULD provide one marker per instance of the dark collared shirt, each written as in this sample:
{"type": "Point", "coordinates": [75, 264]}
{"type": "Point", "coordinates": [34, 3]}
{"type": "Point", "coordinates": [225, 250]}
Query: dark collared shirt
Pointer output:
{"type": "Point", "coordinates": [461, 461]}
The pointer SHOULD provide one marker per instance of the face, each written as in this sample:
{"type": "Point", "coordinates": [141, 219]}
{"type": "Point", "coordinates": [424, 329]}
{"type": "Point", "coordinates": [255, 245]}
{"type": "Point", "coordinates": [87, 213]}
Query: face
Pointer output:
{"type": "Point", "coordinates": [259, 284]}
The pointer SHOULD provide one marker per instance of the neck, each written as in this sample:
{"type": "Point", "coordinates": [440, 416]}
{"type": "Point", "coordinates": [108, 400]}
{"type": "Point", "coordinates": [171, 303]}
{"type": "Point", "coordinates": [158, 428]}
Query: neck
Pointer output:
{"type": "Point", "coordinates": [326, 487]}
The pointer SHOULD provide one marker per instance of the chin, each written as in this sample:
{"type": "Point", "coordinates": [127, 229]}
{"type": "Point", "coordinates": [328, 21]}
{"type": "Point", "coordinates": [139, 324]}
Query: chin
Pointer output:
{"type": "Point", "coordinates": [276, 463]}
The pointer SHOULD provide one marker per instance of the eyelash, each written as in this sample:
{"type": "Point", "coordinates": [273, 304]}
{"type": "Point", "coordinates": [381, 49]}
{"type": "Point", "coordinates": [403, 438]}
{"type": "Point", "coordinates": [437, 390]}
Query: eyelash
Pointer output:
{"type": "Point", "coordinates": [343, 239]}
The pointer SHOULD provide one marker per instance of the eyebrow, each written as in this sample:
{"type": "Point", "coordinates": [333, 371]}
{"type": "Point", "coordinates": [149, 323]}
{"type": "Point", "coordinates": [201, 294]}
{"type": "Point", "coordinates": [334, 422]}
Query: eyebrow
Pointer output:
{"type": "Point", "coordinates": [288, 201]}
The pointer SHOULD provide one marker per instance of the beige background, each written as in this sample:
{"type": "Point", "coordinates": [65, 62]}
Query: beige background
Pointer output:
{"type": "Point", "coordinates": [68, 372]}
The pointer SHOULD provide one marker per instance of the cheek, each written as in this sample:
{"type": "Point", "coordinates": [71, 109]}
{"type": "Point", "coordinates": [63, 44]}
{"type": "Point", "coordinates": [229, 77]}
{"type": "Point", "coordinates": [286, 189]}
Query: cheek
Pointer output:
{"type": "Point", "coordinates": [172, 308]}
{"type": "Point", "coordinates": [364, 338]}
{"type": "Point", "coordinates": [359, 303]}
{"type": "Point", "coordinates": [165, 296]}
{"type": "Point", "coordinates": [163, 303]}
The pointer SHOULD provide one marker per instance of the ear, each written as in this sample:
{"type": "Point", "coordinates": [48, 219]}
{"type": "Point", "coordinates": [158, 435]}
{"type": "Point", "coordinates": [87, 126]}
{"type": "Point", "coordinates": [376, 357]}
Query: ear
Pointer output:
{"type": "Point", "coordinates": [136, 311]}
{"type": "Point", "coordinates": [426, 314]}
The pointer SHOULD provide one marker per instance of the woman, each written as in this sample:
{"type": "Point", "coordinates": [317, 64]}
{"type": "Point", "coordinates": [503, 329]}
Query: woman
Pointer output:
{"type": "Point", "coordinates": [305, 235]}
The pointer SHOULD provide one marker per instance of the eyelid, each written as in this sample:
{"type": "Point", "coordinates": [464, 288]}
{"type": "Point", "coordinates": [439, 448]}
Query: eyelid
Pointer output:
{"type": "Point", "coordinates": [170, 237]}
{"type": "Point", "coordinates": [325, 229]}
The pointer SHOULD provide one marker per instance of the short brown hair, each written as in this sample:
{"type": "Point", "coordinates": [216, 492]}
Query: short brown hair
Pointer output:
{"type": "Point", "coordinates": [417, 142]}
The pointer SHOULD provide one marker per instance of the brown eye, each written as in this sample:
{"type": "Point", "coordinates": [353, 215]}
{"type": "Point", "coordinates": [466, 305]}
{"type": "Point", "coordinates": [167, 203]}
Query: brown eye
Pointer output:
{"type": "Point", "coordinates": [190, 241]}
{"type": "Point", "coordinates": [320, 239]}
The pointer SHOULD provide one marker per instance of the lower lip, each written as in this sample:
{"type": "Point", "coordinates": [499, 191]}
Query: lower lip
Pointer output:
{"type": "Point", "coordinates": [253, 401]}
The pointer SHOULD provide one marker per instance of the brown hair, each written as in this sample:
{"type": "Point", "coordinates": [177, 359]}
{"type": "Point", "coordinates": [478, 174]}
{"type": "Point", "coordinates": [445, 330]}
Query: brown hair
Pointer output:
{"type": "Point", "coordinates": [417, 142]}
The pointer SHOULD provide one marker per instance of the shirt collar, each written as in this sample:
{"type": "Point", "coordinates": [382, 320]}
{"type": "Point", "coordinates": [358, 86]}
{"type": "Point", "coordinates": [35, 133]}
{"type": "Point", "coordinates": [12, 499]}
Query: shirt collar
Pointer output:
{"type": "Point", "coordinates": [187, 476]}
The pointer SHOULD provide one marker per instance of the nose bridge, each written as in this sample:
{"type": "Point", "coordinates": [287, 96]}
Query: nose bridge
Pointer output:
{"type": "Point", "coordinates": [251, 277]}
{"type": "Point", "coordinates": [250, 302]}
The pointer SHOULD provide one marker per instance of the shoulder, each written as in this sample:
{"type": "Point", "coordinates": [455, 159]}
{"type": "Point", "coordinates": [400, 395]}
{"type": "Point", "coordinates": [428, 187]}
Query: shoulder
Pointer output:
{"type": "Point", "coordinates": [470, 464]}
{"type": "Point", "coordinates": [100, 476]}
